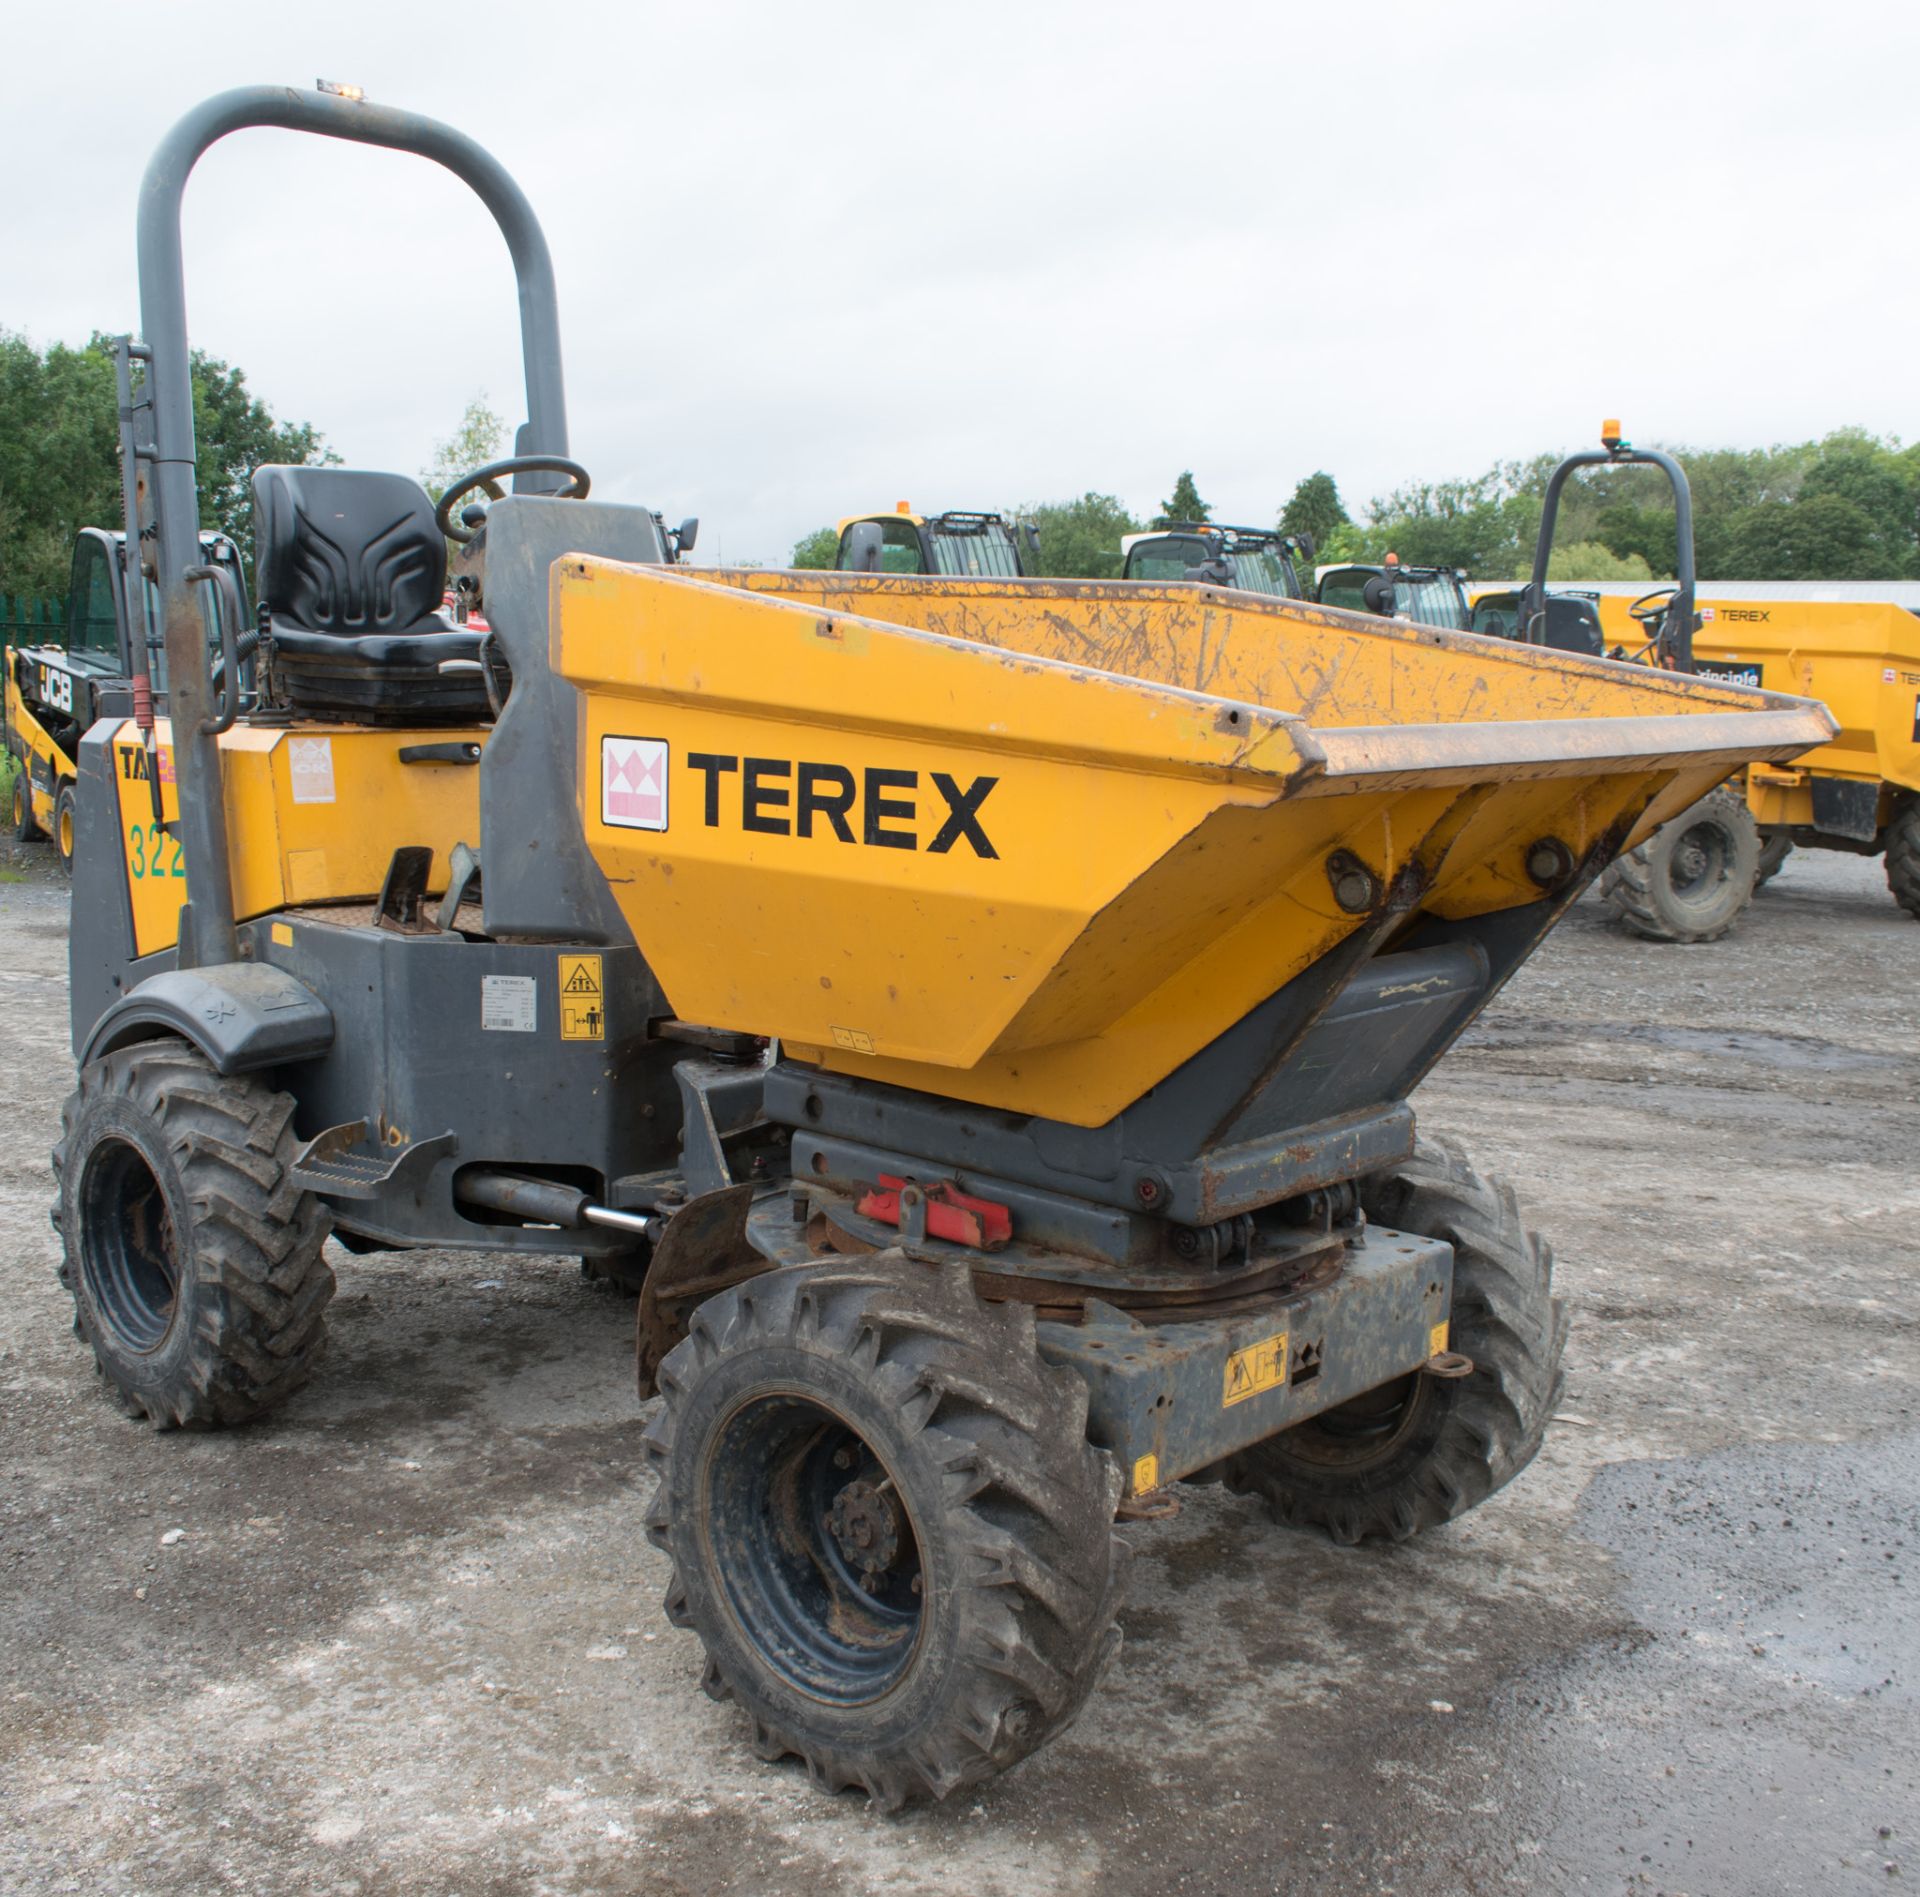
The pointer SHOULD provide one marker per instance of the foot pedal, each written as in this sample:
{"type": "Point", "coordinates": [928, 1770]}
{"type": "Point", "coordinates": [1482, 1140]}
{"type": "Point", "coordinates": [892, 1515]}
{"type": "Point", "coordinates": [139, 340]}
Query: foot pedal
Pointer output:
{"type": "Point", "coordinates": [405, 891]}
{"type": "Point", "coordinates": [330, 1164]}
{"type": "Point", "coordinates": [463, 882]}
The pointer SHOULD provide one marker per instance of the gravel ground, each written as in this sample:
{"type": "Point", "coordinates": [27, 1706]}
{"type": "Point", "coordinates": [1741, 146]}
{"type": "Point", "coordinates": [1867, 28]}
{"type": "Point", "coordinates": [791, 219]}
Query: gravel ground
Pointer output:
{"type": "Point", "coordinates": [406, 1636]}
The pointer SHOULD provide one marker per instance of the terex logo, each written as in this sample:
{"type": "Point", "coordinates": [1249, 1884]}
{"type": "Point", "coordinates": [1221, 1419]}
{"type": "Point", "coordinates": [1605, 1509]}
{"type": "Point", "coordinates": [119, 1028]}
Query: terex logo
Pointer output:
{"type": "Point", "coordinates": [780, 797]}
{"type": "Point", "coordinates": [1745, 612]}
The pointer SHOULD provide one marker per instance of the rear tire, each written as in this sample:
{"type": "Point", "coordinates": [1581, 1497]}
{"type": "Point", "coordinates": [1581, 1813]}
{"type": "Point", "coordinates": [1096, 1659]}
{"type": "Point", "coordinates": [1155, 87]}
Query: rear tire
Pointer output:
{"type": "Point", "coordinates": [1774, 851]}
{"type": "Point", "coordinates": [194, 1263]}
{"type": "Point", "coordinates": [63, 826]}
{"type": "Point", "coordinates": [1691, 879]}
{"type": "Point", "coordinates": [24, 826]}
{"type": "Point", "coordinates": [1422, 1450]}
{"type": "Point", "coordinates": [886, 1523]}
{"type": "Point", "coordinates": [1903, 857]}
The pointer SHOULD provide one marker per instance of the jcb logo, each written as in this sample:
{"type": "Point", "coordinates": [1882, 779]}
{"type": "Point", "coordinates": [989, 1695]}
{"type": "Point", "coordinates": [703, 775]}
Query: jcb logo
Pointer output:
{"type": "Point", "coordinates": [56, 689]}
{"type": "Point", "coordinates": [882, 809]}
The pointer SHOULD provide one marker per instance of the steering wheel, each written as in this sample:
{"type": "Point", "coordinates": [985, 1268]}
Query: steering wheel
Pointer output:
{"type": "Point", "coordinates": [578, 482]}
{"type": "Point", "coordinates": [1651, 608]}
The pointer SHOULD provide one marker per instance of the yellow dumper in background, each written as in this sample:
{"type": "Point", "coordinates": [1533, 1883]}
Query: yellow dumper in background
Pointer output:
{"type": "Point", "coordinates": [1859, 792]}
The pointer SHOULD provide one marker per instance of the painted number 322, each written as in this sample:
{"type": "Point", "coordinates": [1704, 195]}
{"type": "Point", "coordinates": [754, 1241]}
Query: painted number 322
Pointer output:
{"type": "Point", "coordinates": [155, 853]}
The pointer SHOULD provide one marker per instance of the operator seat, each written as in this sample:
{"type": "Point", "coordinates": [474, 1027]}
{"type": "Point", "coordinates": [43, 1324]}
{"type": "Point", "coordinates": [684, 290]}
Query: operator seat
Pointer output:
{"type": "Point", "coordinates": [350, 571]}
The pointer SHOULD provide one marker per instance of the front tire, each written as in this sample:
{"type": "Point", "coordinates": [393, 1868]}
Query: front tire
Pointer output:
{"type": "Point", "coordinates": [886, 1523]}
{"type": "Point", "coordinates": [1423, 1450]}
{"type": "Point", "coordinates": [1903, 857]}
{"type": "Point", "coordinates": [1691, 879]}
{"type": "Point", "coordinates": [194, 1262]}
{"type": "Point", "coordinates": [63, 826]}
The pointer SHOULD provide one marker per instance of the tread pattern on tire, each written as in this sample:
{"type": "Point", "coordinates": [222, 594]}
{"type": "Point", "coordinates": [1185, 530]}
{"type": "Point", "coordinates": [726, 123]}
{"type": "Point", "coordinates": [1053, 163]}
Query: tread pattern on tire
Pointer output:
{"type": "Point", "coordinates": [25, 827]}
{"type": "Point", "coordinates": [1504, 1317]}
{"type": "Point", "coordinates": [1630, 885]}
{"type": "Point", "coordinates": [64, 817]}
{"type": "Point", "coordinates": [1023, 1489]}
{"type": "Point", "coordinates": [1903, 857]}
{"type": "Point", "coordinates": [258, 1239]}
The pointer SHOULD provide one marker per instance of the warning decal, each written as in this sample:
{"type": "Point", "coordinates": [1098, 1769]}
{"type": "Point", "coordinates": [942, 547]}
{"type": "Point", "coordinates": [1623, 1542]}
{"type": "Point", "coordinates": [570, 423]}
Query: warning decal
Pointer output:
{"type": "Point", "coordinates": [633, 782]}
{"type": "Point", "coordinates": [310, 769]}
{"type": "Point", "coordinates": [1261, 1366]}
{"type": "Point", "coordinates": [1146, 1474]}
{"type": "Point", "coordinates": [583, 999]}
{"type": "Point", "coordinates": [1436, 1340]}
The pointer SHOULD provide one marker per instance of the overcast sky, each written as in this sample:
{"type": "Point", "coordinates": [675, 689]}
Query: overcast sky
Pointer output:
{"type": "Point", "coordinates": [814, 259]}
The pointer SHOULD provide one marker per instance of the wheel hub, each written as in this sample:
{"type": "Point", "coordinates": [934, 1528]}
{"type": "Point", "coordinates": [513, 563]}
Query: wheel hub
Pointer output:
{"type": "Point", "coordinates": [129, 1251]}
{"type": "Point", "coordinates": [865, 1525]}
{"type": "Point", "coordinates": [817, 1550]}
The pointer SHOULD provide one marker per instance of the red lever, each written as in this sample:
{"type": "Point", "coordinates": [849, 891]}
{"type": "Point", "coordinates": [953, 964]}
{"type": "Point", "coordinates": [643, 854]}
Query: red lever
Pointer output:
{"type": "Point", "coordinates": [951, 1213]}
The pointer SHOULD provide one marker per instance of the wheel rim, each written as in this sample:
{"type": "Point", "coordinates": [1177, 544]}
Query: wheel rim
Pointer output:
{"type": "Point", "coordinates": [816, 1550]}
{"type": "Point", "coordinates": [1700, 863]}
{"type": "Point", "coordinates": [1363, 1432]}
{"type": "Point", "coordinates": [66, 830]}
{"type": "Point", "coordinates": [128, 1248]}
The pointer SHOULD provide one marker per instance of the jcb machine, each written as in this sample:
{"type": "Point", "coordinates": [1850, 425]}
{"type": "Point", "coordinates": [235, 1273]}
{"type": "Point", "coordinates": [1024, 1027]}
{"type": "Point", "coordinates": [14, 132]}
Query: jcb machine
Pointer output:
{"type": "Point", "coordinates": [1859, 793]}
{"type": "Point", "coordinates": [55, 691]}
{"type": "Point", "coordinates": [994, 1042]}
{"type": "Point", "coordinates": [1249, 559]}
{"type": "Point", "coordinates": [956, 543]}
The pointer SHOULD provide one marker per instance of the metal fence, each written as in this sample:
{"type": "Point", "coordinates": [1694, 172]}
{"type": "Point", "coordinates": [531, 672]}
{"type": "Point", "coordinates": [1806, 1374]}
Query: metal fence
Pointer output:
{"type": "Point", "coordinates": [32, 622]}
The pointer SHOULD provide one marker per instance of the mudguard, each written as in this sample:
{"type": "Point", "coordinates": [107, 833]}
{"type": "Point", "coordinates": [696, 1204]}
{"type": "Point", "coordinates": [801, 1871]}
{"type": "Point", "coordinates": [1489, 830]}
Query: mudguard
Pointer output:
{"type": "Point", "coordinates": [242, 1015]}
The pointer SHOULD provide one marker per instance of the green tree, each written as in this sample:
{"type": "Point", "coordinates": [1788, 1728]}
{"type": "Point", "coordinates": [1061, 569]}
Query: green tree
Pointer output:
{"type": "Point", "coordinates": [1589, 560]}
{"type": "Point", "coordinates": [233, 434]}
{"type": "Point", "coordinates": [60, 458]}
{"type": "Point", "coordinates": [1080, 539]}
{"type": "Point", "coordinates": [1185, 503]}
{"type": "Point", "coordinates": [1314, 508]}
{"type": "Point", "coordinates": [480, 438]}
{"type": "Point", "coordinates": [817, 551]}
{"type": "Point", "coordinates": [1824, 537]}
{"type": "Point", "coordinates": [1484, 525]}
{"type": "Point", "coordinates": [1631, 531]}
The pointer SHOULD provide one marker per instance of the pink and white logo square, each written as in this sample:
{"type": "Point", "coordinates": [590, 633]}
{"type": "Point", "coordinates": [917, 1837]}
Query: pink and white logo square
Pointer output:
{"type": "Point", "coordinates": [633, 782]}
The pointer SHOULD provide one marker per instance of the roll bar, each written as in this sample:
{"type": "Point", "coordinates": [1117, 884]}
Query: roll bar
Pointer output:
{"type": "Point", "coordinates": [1674, 647]}
{"type": "Point", "coordinates": [207, 932]}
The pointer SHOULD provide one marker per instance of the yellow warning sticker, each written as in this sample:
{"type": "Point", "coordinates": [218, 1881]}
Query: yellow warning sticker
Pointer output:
{"type": "Point", "coordinates": [583, 999]}
{"type": "Point", "coordinates": [1437, 1339]}
{"type": "Point", "coordinates": [1146, 1474]}
{"type": "Point", "coordinates": [1261, 1366]}
{"type": "Point", "coordinates": [282, 934]}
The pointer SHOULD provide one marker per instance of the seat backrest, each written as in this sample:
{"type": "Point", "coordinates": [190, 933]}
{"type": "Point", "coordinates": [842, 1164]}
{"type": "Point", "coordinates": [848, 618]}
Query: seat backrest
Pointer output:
{"type": "Point", "coordinates": [344, 552]}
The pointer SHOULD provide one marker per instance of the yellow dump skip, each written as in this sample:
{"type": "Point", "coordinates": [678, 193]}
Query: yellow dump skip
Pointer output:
{"type": "Point", "coordinates": [1034, 846]}
{"type": "Point", "coordinates": [1861, 658]}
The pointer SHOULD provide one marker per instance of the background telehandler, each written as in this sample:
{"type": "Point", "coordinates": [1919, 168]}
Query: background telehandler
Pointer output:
{"type": "Point", "coordinates": [1249, 559]}
{"type": "Point", "coordinates": [994, 1048]}
{"type": "Point", "coordinates": [55, 689]}
{"type": "Point", "coordinates": [956, 543]}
